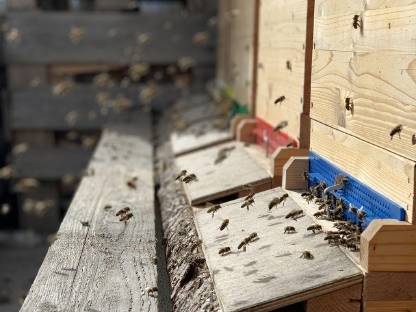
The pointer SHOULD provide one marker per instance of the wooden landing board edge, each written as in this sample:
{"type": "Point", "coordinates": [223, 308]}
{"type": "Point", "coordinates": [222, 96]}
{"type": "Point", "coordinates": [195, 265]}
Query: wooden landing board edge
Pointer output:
{"type": "Point", "coordinates": [243, 298]}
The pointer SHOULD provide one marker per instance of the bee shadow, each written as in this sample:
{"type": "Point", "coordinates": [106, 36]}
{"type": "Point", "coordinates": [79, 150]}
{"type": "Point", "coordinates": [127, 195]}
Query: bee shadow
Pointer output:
{"type": "Point", "coordinates": [265, 247]}
{"type": "Point", "coordinates": [264, 279]}
{"type": "Point", "coordinates": [250, 272]}
{"type": "Point", "coordinates": [250, 263]}
{"type": "Point", "coordinates": [275, 223]}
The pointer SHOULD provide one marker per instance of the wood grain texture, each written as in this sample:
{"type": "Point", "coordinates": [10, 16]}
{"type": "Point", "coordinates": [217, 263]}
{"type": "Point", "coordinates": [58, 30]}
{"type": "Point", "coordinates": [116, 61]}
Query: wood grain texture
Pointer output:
{"type": "Point", "coordinates": [293, 173]}
{"type": "Point", "coordinates": [389, 286]}
{"type": "Point", "coordinates": [107, 38]}
{"type": "Point", "coordinates": [387, 173]}
{"type": "Point", "coordinates": [51, 163]}
{"type": "Point", "coordinates": [270, 274]}
{"type": "Point", "coordinates": [53, 112]}
{"type": "Point", "coordinates": [388, 246]}
{"type": "Point", "coordinates": [107, 265]}
{"type": "Point", "coordinates": [226, 178]}
{"type": "Point", "coordinates": [344, 300]}
{"type": "Point", "coordinates": [282, 68]}
{"type": "Point", "coordinates": [390, 306]}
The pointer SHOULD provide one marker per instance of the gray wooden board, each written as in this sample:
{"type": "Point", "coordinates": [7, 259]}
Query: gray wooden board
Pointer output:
{"type": "Point", "coordinates": [107, 265]}
{"type": "Point", "coordinates": [107, 38]}
{"type": "Point", "coordinates": [51, 163]}
{"type": "Point", "coordinates": [38, 108]}
{"type": "Point", "coordinates": [270, 274]}
{"type": "Point", "coordinates": [190, 140]}
{"type": "Point", "coordinates": [225, 178]}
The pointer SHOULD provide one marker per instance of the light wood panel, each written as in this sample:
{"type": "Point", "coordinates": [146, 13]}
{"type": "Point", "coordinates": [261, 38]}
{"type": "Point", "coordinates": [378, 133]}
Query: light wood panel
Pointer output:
{"type": "Point", "coordinates": [105, 264]}
{"type": "Point", "coordinates": [271, 273]}
{"type": "Point", "coordinates": [284, 47]}
{"type": "Point", "coordinates": [216, 181]}
{"type": "Point", "coordinates": [387, 173]}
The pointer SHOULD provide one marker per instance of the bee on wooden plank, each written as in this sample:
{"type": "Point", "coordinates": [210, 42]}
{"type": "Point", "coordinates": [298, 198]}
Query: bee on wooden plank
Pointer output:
{"type": "Point", "coordinates": [242, 245]}
{"type": "Point", "coordinates": [353, 209]}
{"type": "Point", "coordinates": [333, 236]}
{"type": "Point", "coordinates": [274, 202]}
{"type": "Point", "coordinates": [356, 21]}
{"type": "Point", "coordinates": [214, 209]}
{"type": "Point", "coordinates": [248, 203]}
{"type": "Point", "coordinates": [224, 224]}
{"type": "Point", "coordinates": [349, 105]}
{"type": "Point", "coordinates": [250, 196]}
{"type": "Point", "coordinates": [281, 126]}
{"type": "Point", "coordinates": [319, 214]}
{"type": "Point", "coordinates": [181, 174]}
{"type": "Point", "coordinates": [288, 65]}
{"type": "Point", "coordinates": [132, 183]}
{"type": "Point", "coordinates": [151, 291]}
{"type": "Point", "coordinates": [252, 237]}
{"type": "Point", "coordinates": [289, 230]}
{"type": "Point", "coordinates": [396, 130]}
{"type": "Point", "coordinates": [314, 228]}
{"type": "Point", "coordinates": [122, 211]}
{"type": "Point", "coordinates": [190, 178]}
{"type": "Point", "coordinates": [224, 251]}
{"type": "Point", "coordinates": [280, 99]}
{"type": "Point", "coordinates": [126, 217]}
{"type": "Point", "coordinates": [305, 175]}
{"type": "Point", "coordinates": [294, 213]}
{"type": "Point", "coordinates": [307, 255]}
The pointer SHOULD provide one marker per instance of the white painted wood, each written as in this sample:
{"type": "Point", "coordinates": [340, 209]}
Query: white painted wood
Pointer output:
{"type": "Point", "coordinates": [271, 273]}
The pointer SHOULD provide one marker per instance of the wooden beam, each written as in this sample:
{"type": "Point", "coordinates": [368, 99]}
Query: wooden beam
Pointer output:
{"type": "Point", "coordinates": [93, 249]}
{"type": "Point", "coordinates": [389, 246]}
{"type": "Point", "coordinates": [280, 158]}
{"type": "Point", "coordinates": [235, 122]}
{"type": "Point", "coordinates": [85, 38]}
{"type": "Point", "coordinates": [81, 108]}
{"type": "Point", "coordinates": [293, 173]}
{"type": "Point", "coordinates": [389, 286]}
{"type": "Point", "coordinates": [387, 173]}
{"type": "Point", "coordinates": [245, 130]}
{"type": "Point", "coordinates": [390, 306]}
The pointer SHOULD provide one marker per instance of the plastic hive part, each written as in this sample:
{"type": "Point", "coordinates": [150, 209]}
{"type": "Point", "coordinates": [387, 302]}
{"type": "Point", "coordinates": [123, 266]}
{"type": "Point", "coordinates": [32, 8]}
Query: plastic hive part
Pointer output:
{"type": "Point", "coordinates": [270, 139]}
{"type": "Point", "coordinates": [354, 192]}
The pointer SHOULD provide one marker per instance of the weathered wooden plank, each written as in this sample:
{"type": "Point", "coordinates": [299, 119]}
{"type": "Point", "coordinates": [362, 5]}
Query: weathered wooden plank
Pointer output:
{"type": "Point", "coordinates": [51, 163]}
{"type": "Point", "coordinates": [105, 264]}
{"type": "Point", "coordinates": [385, 172]}
{"type": "Point", "coordinates": [228, 177]}
{"type": "Point", "coordinates": [114, 38]}
{"type": "Point", "coordinates": [283, 64]}
{"type": "Point", "coordinates": [271, 273]}
{"type": "Point", "coordinates": [83, 107]}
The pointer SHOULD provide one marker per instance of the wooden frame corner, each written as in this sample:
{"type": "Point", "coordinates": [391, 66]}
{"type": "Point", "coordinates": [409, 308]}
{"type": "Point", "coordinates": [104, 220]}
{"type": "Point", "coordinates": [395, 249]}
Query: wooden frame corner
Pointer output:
{"type": "Point", "coordinates": [280, 158]}
{"type": "Point", "coordinates": [244, 130]}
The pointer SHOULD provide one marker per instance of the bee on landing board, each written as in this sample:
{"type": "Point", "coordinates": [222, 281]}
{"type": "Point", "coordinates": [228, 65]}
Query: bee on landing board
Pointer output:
{"type": "Point", "coordinates": [289, 230]}
{"type": "Point", "coordinates": [214, 209]}
{"type": "Point", "coordinates": [248, 203]}
{"type": "Point", "coordinates": [224, 251]}
{"type": "Point", "coordinates": [396, 130]}
{"type": "Point", "coordinates": [126, 217]}
{"type": "Point", "coordinates": [224, 224]}
{"type": "Point", "coordinates": [314, 228]}
{"type": "Point", "coordinates": [307, 255]}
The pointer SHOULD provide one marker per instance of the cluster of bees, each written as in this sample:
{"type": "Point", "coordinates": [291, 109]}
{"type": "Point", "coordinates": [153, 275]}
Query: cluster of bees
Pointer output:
{"type": "Point", "coordinates": [185, 177]}
{"type": "Point", "coordinates": [332, 209]}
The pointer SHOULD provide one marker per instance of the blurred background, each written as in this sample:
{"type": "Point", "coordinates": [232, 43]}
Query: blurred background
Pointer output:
{"type": "Point", "coordinates": [68, 67]}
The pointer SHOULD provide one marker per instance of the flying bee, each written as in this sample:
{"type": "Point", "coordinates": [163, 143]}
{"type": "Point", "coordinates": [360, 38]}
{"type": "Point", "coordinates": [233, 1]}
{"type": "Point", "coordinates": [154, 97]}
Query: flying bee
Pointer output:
{"type": "Point", "coordinates": [248, 203]}
{"type": "Point", "coordinates": [190, 178]}
{"type": "Point", "coordinates": [280, 99]}
{"type": "Point", "coordinates": [349, 105]}
{"type": "Point", "coordinates": [396, 130]}
{"type": "Point", "coordinates": [314, 228]}
{"type": "Point", "coordinates": [307, 255]}
{"type": "Point", "coordinates": [319, 200]}
{"type": "Point", "coordinates": [283, 198]}
{"type": "Point", "coordinates": [214, 209]}
{"type": "Point", "coordinates": [289, 230]}
{"type": "Point", "coordinates": [252, 237]}
{"type": "Point", "coordinates": [224, 224]}
{"type": "Point", "coordinates": [126, 217]}
{"type": "Point", "coordinates": [85, 223]}
{"type": "Point", "coordinates": [331, 237]}
{"type": "Point", "coordinates": [294, 213]}
{"type": "Point", "coordinates": [132, 183]}
{"type": "Point", "coordinates": [281, 125]}
{"type": "Point", "coordinates": [224, 251]}
{"type": "Point", "coordinates": [181, 174]}
{"type": "Point", "coordinates": [356, 22]}
{"type": "Point", "coordinates": [122, 211]}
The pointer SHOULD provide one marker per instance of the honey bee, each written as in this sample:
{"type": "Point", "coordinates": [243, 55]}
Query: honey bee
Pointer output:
{"type": "Point", "coordinates": [361, 214]}
{"type": "Point", "coordinates": [190, 178]}
{"type": "Point", "coordinates": [319, 214]}
{"type": "Point", "coordinates": [248, 203]}
{"type": "Point", "coordinates": [85, 223]}
{"type": "Point", "coordinates": [280, 99]}
{"type": "Point", "coordinates": [283, 198]}
{"type": "Point", "coordinates": [214, 209]}
{"type": "Point", "coordinates": [252, 237]}
{"type": "Point", "coordinates": [151, 291]}
{"type": "Point", "coordinates": [242, 245]}
{"type": "Point", "coordinates": [250, 196]}
{"type": "Point", "coordinates": [289, 230]}
{"type": "Point", "coordinates": [122, 211]}
{"type": "Point", "coordinates": [314, 228]}
{"type": "Point", "coordinates": [288, 65]}
{"type": "Point", "coordinates": [307, 255]}
{"type": "Point", "coordinates": [396, 130]}
{"type": "Point", "coordinates": [294, 213]}
{"type": "Point", "coordinates": [126, 217]}
{"type": "Point", "coordinates": [356, 23]}
{"type": "Point", "coordinates": [224, 251]}
{"type": "Point", "coordinates": [281, 126]}
{"type": "Point", "coordinates": [349, 105]}
{"type": "Point", "coordinates": [132, 183]}
{"type": "Point", "coordinates": [76, 34]}
{"type": "Point", "coordinates": [274, 202]}
{"type": "Point", "coordinates": [224, 224]}
{"type": "Point", "coordinates": [181, 174]}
